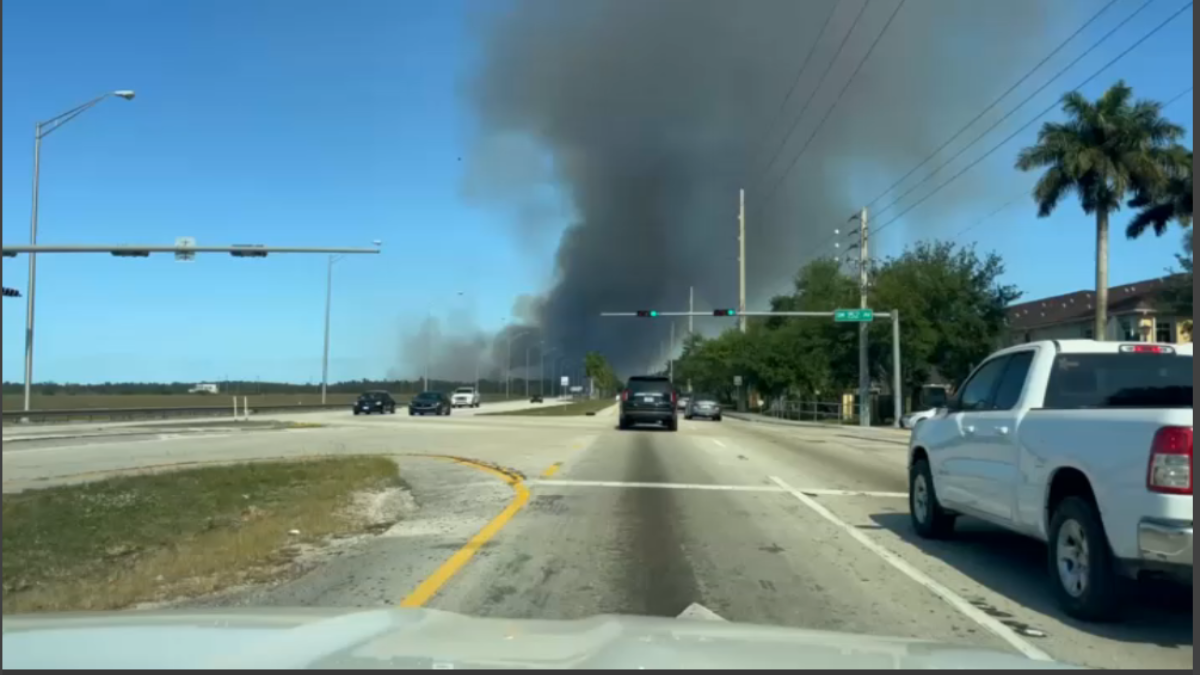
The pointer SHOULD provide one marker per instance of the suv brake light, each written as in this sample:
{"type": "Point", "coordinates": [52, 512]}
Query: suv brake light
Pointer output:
{"type": "Point", "coordinates": [1171, 462]}
{"type": "Point", "coordinates": [625, 395]}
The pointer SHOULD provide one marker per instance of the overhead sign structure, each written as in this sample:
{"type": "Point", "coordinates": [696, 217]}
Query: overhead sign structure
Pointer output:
{"type": "Point", "coordinates": [854, 315]}
{"type": "Point", "coordinates": [185, 256]}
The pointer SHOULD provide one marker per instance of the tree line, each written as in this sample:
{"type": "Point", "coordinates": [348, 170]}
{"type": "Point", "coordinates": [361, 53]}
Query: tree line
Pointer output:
{"type": "Point", "coordinates": [251, 388]}
{"type": "Point", "coordinates": [1110, 153]}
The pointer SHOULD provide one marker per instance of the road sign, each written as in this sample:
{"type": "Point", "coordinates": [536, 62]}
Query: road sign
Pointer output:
{"type": "Point", "coordinates": [185, 256]}
{"type": "Point", "coordinates": [565, 381]}
{"type": "Point", "coordinates": [737, 380]}
{"type": "Point", "coordinates": [854, 315]}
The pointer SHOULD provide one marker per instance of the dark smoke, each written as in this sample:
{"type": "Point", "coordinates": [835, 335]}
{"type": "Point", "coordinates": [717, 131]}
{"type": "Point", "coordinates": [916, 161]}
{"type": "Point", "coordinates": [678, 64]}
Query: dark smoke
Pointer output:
{"type": "Point", "coordinates": [644, 117]}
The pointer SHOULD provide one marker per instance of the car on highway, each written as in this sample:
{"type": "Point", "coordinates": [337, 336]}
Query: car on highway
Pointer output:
{"type": "Point", "coordinates": [649, 400]}
{"type": "Point", "coordinates": [1083, 445]}
{"type": "Point", "coordinates": [375, 402]}
{"type": "Point", "coordinates": [465, 397]}
{"type": "Point", "coordinates": [536, 398]}
{"type": "Point", "coordinates": [703, 405]}
{"type": "Point", "coordinates": [683, 402]}
{"type": "Point", "coordinates": [430, 403]}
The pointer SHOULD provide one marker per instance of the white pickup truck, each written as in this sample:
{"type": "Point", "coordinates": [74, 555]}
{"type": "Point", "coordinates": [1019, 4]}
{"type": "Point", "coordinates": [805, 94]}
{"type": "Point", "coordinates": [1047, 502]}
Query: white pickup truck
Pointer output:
{"type": "Point", "coordinates": [1084, 445]}
{"type": "Point", "coordinates": [465, 397]}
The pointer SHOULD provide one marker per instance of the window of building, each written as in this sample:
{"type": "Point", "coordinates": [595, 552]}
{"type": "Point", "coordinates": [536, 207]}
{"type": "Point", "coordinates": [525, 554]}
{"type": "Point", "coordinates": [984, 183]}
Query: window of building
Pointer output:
{"type": "Point", "coordinates": [1089, 333]}
{"type": "Point", "coordinates": [1129, 330]}
{"type": "Point", "coordinates": [1165, 332]}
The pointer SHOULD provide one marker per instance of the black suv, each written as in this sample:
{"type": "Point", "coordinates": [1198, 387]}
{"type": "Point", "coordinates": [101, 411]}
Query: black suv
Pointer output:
{"type": "Point", "coordinates": [649, 400]}
{"type": "Point", "coordinates": [375, 402]}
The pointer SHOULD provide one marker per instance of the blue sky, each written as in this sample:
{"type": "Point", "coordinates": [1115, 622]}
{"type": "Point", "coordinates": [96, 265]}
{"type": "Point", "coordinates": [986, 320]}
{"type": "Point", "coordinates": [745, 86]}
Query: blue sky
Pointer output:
{"type": "Point", "coordinates": [298, 122]}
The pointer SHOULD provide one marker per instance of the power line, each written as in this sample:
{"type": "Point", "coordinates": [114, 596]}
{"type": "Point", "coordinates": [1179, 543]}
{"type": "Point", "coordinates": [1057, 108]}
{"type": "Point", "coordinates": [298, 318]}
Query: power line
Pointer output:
{"type": "Point", "coordinates": [1033, 121]}
{"type": "Point", "coordinates": [1024, 193]}
{"type": "Point", "coordinates": [1014, 111]}
{"type": "Point", "coordinates": [995, 103]}
{"type": "Point", "coordinates": [836, 102]}
{"type": "Point", "coordinates": [796, 83]}
{"type": "Point", "coordinates": [783, 144]}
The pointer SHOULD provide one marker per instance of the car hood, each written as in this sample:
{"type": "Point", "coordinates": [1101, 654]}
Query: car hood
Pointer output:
{"type": "Point", "coordinates": [392, 638]}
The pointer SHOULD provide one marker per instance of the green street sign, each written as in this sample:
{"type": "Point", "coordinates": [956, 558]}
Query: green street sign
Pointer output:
{"type": "Point", "coordinates": [854, 315]}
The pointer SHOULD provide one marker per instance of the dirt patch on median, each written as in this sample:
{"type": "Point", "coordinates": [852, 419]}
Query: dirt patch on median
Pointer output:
{"type": "Point", "coordinates": [155, 538]}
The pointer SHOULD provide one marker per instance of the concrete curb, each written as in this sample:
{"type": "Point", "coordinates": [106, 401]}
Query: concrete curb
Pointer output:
{"type": "Point", "coordinates": [885, 434]}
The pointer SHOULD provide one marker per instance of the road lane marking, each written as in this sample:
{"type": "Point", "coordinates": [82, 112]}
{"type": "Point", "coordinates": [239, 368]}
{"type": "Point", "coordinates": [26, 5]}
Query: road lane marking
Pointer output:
{"type": "Point", "coordinates": [718, 442]}
{"type": "Point", "coordinates": [549, 473]}
{"type": "Point", "coordinates": [811, 492]}
{"type": "Point", "coordinates": [950, 597]}
{"type": "Point", "coordinates": [434, 583]}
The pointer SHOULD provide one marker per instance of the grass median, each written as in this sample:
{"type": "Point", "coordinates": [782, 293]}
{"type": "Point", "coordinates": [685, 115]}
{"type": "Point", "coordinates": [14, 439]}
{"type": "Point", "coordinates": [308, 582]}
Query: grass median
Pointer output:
{"type": "Point", "coordinates": [123, 541]}
{"type": "Point", "coordinates": [568, 410]}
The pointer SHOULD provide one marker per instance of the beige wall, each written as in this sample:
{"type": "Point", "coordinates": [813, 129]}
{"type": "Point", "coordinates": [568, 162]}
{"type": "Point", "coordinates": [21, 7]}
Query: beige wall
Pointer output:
{"type": "Point", "coordinates": [1079, 330]}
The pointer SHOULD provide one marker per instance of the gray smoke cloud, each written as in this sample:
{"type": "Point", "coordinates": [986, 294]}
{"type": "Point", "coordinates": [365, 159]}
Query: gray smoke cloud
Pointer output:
{"type": "Point", "coordinates": [645, 118]}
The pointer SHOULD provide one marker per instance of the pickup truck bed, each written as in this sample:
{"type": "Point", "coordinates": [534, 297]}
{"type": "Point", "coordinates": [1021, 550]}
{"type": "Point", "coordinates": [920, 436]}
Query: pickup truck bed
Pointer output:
{"type": "Point", "coordinates": [1085, 446]}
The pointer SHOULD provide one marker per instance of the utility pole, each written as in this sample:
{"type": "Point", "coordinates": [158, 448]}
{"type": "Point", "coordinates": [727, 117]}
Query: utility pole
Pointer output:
{"type": "Point", "coordinates": [691, 310]}
{"type": "Point", "coordinates": [742, 259]}
{"type": "Point", "coordinates": [671, 354]}
{"type": "Point", "coordinates": [864, 374]}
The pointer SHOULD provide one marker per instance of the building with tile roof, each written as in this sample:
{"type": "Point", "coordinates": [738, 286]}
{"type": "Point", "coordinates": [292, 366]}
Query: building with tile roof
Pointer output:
{"type": "Point", "coordinates": [1135, 313]}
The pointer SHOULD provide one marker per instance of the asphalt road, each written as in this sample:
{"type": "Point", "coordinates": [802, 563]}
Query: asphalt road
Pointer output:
{"type": "Point", "coordinates": [568, 518]}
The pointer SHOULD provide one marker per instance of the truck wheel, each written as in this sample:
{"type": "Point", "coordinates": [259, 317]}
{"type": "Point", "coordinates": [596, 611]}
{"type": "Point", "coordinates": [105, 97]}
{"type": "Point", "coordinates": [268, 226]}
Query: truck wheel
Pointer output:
{"type": "Point", "coordinates": [929, 519]}
{"type": "Point", "coordinates": [1082, 568]}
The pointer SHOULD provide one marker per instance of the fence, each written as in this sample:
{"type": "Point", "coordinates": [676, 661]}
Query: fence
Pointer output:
{"type": "Point", "coordinates": [806, 411]}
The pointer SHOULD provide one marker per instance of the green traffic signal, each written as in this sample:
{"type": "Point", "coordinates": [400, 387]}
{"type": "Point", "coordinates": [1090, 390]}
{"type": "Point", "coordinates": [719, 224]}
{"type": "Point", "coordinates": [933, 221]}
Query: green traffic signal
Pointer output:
{"type": "Point", "coordinates": [724, 312]}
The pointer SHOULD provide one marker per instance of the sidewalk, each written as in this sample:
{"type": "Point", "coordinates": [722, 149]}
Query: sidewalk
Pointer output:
{"type": "Point", "coordinates": [878, 434]}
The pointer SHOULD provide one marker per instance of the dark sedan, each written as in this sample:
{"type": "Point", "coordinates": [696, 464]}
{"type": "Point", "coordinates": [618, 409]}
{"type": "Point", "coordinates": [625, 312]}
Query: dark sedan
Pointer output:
{"type": "Point", "coordinates": [430, 403]}
{"type": "Point", "coordinates": [375, 402]}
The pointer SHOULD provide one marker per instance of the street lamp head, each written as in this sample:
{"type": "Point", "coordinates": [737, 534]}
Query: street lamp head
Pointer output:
{"type": "Point", "coordinates": [378, 243]}
{"type": "Point", "coordinates": [126, 94]}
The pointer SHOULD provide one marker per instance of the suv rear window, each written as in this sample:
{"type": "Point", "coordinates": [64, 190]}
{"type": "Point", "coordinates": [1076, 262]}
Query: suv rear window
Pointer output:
{"type": "Point", "coordinates": [1120, 381]}
{"type": "Point", "coordinates": [654, 385]}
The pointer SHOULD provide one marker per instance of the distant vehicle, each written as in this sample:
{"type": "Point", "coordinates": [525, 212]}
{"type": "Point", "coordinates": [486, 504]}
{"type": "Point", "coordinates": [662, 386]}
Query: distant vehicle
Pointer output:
{"type": "Point", "coordinates": [375, 402]}
{"type": "Point", "coordinates": [649, 400]}
{"type": "Point", "coordinates": [683, 402]}
{"type": "Point", "coordinates": [536, 398]}
{"type": "Point", "coordinates": [465, 397]}
{"type": "Point", "coordinates": [430, 403]}
{"type": "Point", "coordinates": [703, 405]}
{"type": "Point", "coordinates": [205, 389]}
{"type": "Point", "coordinates": [1084, 445]}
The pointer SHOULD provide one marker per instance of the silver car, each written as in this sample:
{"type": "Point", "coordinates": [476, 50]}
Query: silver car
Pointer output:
{"type": "Point", "coordinates": [703, 406]}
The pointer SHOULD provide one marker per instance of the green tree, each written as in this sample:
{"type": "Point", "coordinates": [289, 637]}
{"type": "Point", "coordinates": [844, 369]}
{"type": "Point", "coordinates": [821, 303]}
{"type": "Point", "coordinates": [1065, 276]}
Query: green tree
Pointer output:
{"type": "Point", "coordinates": [953, 311]}
{"type": "Point", "coordinates": [598, 369]}
{"type": "Point", "coordinates": [1104, 152]}
{"type": "Point", "coordinates": [1170, 202]}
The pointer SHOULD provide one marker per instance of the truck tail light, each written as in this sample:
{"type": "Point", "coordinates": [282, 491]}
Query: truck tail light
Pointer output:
{"type": "Point", "coordinates": [1171, 462]}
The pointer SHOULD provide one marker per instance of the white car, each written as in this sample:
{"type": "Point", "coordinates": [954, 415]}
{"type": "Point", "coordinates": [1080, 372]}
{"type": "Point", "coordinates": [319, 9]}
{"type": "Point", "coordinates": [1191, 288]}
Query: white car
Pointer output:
{"type": "Point", "coordinates": [465, 397]}
{"type": "Point", "coordinates": [911, 420]}
{"type": "Point", "coordinates": [1084, 445]}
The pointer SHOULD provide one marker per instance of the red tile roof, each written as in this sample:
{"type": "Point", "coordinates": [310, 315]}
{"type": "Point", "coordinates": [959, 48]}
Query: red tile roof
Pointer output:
{"type": "Point", "coordinates": [1081, 305]}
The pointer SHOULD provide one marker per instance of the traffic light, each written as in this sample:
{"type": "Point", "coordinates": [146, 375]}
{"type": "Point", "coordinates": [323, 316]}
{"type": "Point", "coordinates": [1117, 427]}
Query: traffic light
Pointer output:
{"type": "Point", "coordinates": [11, 293]}
{"type": "Point", "coordinates": [647, 313]}
{"type": "Point", "coordinates": [724, 312]}
{"type": "Point", "coordinates": [131, 254]}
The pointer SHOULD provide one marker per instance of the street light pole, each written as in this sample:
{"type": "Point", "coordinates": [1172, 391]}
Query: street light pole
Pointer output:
{"type": "Point", "coordinates": [328, 308]}
{"type": "Point", "coordinates": [40, 131]}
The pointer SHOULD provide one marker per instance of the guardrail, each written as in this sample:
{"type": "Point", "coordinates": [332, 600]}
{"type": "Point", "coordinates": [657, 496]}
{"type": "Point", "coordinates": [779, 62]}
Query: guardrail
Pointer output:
{"type": "Point", "coordinates": [120, 414]}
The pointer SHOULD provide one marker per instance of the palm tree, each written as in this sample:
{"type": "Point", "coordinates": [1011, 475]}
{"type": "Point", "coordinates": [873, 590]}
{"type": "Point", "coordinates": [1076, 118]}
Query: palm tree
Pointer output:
{"type": "Point", "coordinates": [1171, 202]}
{"type": "Point", "coordinates": [1104, 153]}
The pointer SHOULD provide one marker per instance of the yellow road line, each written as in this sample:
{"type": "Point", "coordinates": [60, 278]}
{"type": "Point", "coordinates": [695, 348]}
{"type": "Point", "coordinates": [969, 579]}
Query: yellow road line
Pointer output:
{"type": "Point", "coordinates": [430, 587]}
{"type": "Point", "coordinates": [549, 473]}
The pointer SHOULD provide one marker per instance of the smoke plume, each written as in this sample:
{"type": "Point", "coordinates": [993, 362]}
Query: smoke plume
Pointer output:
{"type": "Point", "coordinates": [645, 117]}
